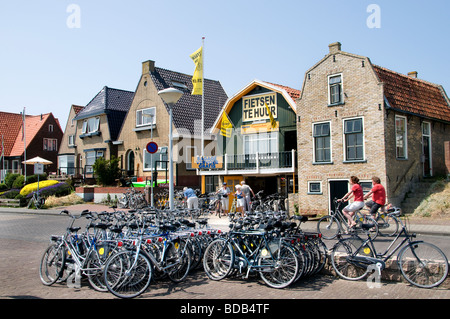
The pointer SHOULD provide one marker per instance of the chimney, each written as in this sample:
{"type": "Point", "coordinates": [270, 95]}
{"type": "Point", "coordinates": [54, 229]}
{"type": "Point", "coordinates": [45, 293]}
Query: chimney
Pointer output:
{"type": "Point", "coordinates": [148, 66]}
{"type": "Point", "coordinates": [413, 74]}
{"type": "Point", "coordinates": [334, 47]}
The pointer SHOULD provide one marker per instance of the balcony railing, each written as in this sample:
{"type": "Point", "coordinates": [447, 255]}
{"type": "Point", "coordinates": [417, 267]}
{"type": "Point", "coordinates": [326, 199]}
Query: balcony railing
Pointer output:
{"type": "Point", "coordinates": [258, 163]}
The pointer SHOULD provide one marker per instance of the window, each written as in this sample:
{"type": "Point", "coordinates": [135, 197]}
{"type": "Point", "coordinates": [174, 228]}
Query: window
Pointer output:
{"type": "Point", "coordinates": [354, 140]}
{"type": "Point", "coordinates": [366, 186]}
{"type": "Point", "coordinates": [191, 151]}
{"type": "Point", "coordinates": [50, 144]}
{"type": "Point", "coordinates": [91, 156]}
{"type": "Point", "coordinates": [211, 183]}
{"type": "Point", "coordinates": [321, 134]}
{"type": "Point", "coordinates": [261, 143]}
{"type": "Point", "coordinates": [401, 144]}
{"type": "Point", "coordinates": [66, 164]}
{"type": "Point", "coordinates": [50, 128]}
{"type": "Point", "coordinates": [335, 89]}
{"type": "Point", "coordinates": [90, 125]}
{"type": "Point", "coordinates": [314, 188]}
{"type": "Point", "coordinates": [160, 158]}
{"type": "Point", "coordinates": [71, 140]}
{"type": "Point", "coordinates": [146, 116]}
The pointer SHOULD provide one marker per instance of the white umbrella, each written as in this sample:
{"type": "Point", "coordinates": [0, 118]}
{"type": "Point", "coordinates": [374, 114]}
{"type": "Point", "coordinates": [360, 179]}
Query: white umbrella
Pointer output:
{"type": "Point", "coordinates": [37, 160]}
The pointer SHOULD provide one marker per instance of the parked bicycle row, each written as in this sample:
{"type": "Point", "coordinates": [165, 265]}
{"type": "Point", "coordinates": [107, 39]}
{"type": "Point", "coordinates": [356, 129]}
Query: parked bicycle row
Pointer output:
{"type": "Point", "coordinates": [122, 252]}
{"type": "Point", "coordinates": [268, 244]}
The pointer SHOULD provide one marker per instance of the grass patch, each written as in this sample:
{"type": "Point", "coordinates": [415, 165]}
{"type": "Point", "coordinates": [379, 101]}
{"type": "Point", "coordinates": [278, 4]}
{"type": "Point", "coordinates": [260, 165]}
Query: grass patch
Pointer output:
{"type": "Point", "coordinates": [72, 199]}
{"type": "Point", "coordinates": [437, 204]}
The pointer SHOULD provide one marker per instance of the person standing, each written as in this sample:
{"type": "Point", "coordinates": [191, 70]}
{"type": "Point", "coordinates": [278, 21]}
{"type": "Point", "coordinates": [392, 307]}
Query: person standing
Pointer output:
{"type": "Point", "coordinates": [224, 191]}
{"type": "Point", "coordinates": [378, 196]}
{"type": "Point", "coordinates": [240, 200]}
{"type": "Point", "coordinates": [356, 191]}
{"type": "Point", "coordinates": [191, 198]}
{"type": "Point", "coordinates": [246, 190]}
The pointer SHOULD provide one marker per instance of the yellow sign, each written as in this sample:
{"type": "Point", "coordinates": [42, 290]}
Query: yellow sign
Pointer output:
{"type": "Point", "coordinates": [197, 78]}
{"type": "Point", "coordinates": [206, 162]}
{"type": "Point", "coordinates": [254, 107]}
{"type": "Point", "coordinates": [259, 128]}
{"type": "Point", "coordinates": [226, 126]}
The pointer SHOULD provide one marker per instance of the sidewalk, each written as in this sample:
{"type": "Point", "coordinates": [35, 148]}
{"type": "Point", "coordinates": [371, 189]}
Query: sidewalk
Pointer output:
{"type": "Point", "coordinates": [419, 226]}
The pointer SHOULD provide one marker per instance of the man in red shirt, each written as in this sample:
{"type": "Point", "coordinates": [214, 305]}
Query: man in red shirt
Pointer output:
{"type": "Point", "coordinates": [378, 196]}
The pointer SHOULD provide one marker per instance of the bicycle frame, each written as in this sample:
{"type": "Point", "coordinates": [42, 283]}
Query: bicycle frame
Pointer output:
{"type": "Point", "coordinates": [250, 259]}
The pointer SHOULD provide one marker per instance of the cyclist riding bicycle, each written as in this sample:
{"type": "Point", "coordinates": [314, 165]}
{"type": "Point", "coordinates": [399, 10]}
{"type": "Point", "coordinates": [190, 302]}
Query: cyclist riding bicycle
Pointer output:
{"type": "Point", "coordinates": [378, 196]}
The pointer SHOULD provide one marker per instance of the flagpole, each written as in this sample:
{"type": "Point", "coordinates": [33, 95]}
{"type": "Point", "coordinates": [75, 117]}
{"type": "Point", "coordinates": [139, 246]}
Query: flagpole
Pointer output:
{"type": "Point", "coordinates": [203, 96]}
{"type": "Point", "coordinates": [24, 145]}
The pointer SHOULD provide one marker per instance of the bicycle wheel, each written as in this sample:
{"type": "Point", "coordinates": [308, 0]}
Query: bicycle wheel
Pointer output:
{"type": "Point", "coordinates": [387, 225]}
{"type": "Point", "coordinates": [218, 259]}
{"type": "Point", "coordinates": [423, 264]}
{"type": "Point", "coordinates": [52, 264]}
{"type": "Point", "coordinates": [278, 270]}
{"type": "Point", "coordinates": [125, 279]}
{"type": "Point", "coordinates": [343, 258]}
{"type": "Point", "coordinates": [328, 226]}
{"type": "Point", "coordinates": [179, 256]}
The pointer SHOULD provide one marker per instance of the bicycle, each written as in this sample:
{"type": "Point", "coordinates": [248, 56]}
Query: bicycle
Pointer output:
{"type": "Point", "coordinates": [252, 251]}
{"type": "Point", "coordinates": [421, 264]}
{"type": "Point", "coordinates": [79, 254]}
{"type": "Point", "coordinates": [330, 226]}
{"type": "Point", "coordinates": [36, 200]}
{"type": "Point", "coordinates": [388, 222]}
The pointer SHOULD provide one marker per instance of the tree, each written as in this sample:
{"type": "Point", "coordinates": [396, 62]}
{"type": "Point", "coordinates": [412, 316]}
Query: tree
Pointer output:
{"type": "Point", "coordinates": [107, 171]}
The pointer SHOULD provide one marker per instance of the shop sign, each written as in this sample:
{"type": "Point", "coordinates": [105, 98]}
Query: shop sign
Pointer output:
{"type": "Point", "coordinates": [254, 109]}
{"type": "Point", "coordinates": [206, 162]}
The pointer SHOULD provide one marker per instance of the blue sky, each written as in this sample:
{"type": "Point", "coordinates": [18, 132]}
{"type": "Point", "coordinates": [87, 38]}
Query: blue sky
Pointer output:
{"type": "Point", "coordinates": [45, 66]}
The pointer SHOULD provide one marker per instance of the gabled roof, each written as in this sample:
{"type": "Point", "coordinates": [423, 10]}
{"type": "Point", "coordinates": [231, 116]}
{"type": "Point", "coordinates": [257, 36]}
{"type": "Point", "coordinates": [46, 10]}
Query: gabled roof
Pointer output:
{"type": "Point", "coordinates": [11, 128]}
{"type": "Point", "coordinates": [189, 108]}
{"type": "Point", "coordinates": [288, 93]}
{"type": "Point", "coordinates": [10, 125]}
{"type": "Point", "coordinates": [112, 102]}
{"type": "Point", "coordinates": [414, 96]}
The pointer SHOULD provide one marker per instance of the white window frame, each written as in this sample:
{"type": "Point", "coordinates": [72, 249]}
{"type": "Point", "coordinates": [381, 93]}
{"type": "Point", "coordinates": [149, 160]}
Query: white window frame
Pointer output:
{"type": "Point", "coordinates": [50, 127]}
{"type": "Point", "coordinates": [344, 140]}
{"type": "Point", "coordinates": [162, 151]}
{"type": "Point", "coordinates": [50, 144]}
{"type": "Point", "coordinates": [251, 142]}
{"type": "Point", "coordinates": [341, 98]}
{"type": "Point", "coordinates": [404, 138]}
{"type": "Point", "coordinates": [71, 140]}
{"type": "Point", "coordinates": [320, 192]}
{"type": "Point", "coordinates": [142, 120]}
{"type": "Point", "coordinates": [91, 127]}
{"type": "Point", "coordinates": [314, 144]}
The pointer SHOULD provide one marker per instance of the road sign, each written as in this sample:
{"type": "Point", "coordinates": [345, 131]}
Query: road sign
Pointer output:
{"type": "Point", "coordinates": [152, 147]}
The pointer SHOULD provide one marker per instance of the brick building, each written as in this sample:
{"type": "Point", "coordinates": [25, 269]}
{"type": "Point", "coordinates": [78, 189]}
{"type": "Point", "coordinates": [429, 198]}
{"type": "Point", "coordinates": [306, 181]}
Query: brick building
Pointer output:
{"type": "Point", "coordinates": [42, 136]}
{"type": "Point", "coordinates": [356, 118]}
{"type": "Point", "coordinates": [148, 115]}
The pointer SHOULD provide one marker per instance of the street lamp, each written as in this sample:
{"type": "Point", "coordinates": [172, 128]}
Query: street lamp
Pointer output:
{"type": "Point", "coordinates": [151, 116]}
{"type": "Point", "coordinates": [170, 96]}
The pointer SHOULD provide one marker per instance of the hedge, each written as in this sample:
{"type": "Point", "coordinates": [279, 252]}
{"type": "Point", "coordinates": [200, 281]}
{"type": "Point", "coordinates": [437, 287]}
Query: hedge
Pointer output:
{"type": "Point", "coordinates": [58, 190]}
{"type": "Point", "coordinates": [27, 189]}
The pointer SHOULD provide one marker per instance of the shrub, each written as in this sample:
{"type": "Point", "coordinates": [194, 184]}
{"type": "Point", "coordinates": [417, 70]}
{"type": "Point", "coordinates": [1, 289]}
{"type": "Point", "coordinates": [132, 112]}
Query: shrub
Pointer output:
{"type": "Point", "coordinates": [34, 178]}
{"type": "Point", "coordinates": [107, 171]}
{"type": "Point", "coordinates": [58, 190]}
{"type": "Point", "coordinates": [11, 194]}
{"type": "Point", "coordinates": [10, 178]}
{"type": "Point", "coordinates": [27, 189]}
{"type": "Point", "coordinates": [3, 187]}
{"type": "Point", "coordinates": [18, 182]}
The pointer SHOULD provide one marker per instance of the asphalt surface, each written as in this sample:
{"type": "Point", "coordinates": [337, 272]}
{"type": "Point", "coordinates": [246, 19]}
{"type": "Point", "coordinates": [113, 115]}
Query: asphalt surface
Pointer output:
{"type": "Point", "coordinates": [19, 262]}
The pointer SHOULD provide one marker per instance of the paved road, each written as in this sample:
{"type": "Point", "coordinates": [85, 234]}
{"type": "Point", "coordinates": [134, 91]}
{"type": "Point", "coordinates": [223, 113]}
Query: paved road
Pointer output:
{"type": "Point", "coordinates": [23, 239]}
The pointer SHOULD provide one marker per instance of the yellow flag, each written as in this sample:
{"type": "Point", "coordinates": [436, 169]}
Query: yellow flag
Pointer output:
{"type": "Point", "coordinates": [226, 126]}
{"type": "Point", "coordinates": [273, 123]}
{"type": "Point", "coordinates": [197, 78]}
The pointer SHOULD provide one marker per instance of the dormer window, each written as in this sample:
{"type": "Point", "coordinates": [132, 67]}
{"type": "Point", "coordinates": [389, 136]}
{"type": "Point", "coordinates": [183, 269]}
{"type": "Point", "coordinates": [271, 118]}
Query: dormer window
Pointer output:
{"type": "Point", "coordinates": [90, 125]}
